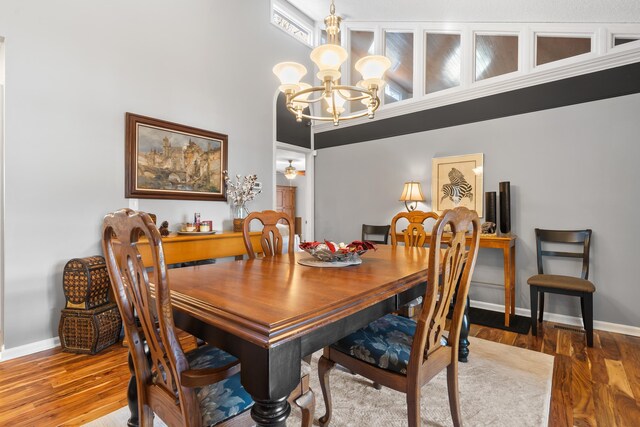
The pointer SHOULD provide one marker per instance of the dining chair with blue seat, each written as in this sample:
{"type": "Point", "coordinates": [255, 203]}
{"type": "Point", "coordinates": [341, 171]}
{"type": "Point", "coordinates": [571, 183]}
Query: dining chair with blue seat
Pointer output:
{"type": "Point", "coordinates": [404, 354]}
{"type": "Point", "coordinates": [197, 388]}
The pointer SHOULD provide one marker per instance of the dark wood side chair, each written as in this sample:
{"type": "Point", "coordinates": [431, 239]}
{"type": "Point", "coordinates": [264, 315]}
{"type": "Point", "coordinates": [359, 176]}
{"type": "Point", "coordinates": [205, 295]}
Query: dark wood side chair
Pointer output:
{"type": "Point", "coordinates": [404, 354]}
{"type": "Point", "coordinates": [198, 388]}
{"type": "Point", "coordinates": [376, 230]}
{"type": "Point", "coordinates": [414, 234]}
{"type": "Point", "coordinates": [581, 287]}
{"type": "Point", "coordinates": [272, 244]}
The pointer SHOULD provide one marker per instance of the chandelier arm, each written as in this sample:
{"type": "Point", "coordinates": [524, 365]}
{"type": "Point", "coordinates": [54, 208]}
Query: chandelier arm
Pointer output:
{"type": "Point", "coordinates": [329, 118]}
{"type": "Point", "coordinates": [366, 93]}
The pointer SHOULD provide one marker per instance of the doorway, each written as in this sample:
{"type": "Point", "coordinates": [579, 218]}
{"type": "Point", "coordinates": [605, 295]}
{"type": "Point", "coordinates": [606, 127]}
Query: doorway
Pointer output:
{"type": "Point", "coordinates": [292, 193]}
{"type": "Point", "coordinates": [293, 149]}
{"type": "Point", "coordinates": [2, 82]}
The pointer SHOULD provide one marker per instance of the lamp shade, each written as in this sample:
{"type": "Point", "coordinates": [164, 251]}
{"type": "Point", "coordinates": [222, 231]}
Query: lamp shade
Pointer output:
{"type": "Point", "coordinates": [372, 68]}
{"type": "Point", "coordinates": [339, 103]}
{"type": "Point", "coordinates": [289, 74]}
{"type": "Point", "coordinates": [412, 192]}
{"type": "Point", "coordinates": [329, 56]}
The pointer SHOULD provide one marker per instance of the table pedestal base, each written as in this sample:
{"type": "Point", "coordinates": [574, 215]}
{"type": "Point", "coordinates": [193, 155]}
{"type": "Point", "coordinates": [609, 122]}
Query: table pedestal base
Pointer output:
{"type": "Point", "coordinates": [271, 413]}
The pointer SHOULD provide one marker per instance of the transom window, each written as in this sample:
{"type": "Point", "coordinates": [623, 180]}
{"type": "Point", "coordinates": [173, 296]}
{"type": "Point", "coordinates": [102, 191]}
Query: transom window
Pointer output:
{"type": "Point", "coordinates": [436, 63]}
{"type": "Point", "coordinates": [554, 48]}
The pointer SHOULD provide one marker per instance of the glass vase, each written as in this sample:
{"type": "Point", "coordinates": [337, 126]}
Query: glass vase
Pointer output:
{"type": "Point", "coordinates": [239, 214]}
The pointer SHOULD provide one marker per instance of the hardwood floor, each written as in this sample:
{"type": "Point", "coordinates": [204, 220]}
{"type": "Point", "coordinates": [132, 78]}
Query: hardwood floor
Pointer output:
{"type": "Point", "coordinates": [597, 386]}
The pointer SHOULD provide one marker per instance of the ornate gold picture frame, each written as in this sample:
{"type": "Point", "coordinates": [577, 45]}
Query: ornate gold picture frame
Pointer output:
{"type": "Point", "coordinates": [165, 160]}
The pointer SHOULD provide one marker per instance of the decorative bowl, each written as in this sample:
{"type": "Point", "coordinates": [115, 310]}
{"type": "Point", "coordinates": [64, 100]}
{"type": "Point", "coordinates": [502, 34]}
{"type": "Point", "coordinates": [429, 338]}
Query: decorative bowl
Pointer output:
{"type": "Point", "coordinates": [332, 252]}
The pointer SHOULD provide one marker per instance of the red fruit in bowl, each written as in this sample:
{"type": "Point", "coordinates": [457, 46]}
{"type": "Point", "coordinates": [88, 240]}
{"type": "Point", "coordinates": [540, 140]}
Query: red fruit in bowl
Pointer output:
{"type": "Point", "coordinates": [308, 245]}
{"type": "Point", "coordinates": [330, 245]}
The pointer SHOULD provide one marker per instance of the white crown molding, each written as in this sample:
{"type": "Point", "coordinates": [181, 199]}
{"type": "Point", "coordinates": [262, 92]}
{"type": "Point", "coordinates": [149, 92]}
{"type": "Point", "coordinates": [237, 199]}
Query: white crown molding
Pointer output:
{"type": "Point", "coordinates": [615, 58]}
{"type": "Point", "coordinates": [27, 349]}
{"type": "Point", "coordinates": [561, 318]}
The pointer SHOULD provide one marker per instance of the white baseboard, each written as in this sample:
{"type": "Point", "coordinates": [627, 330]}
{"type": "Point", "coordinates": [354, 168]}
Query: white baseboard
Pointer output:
{"type": "Point", "coordinates": [30, 348]}
{"type": "Point", "coordinates": [49, 343]}
{"type": "Point", "coordinates": [562, 318]}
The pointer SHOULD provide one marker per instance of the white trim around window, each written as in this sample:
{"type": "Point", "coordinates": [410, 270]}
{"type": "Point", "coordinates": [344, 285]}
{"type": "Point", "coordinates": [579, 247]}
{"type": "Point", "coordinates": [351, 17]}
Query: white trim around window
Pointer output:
{"type": "Point", "coordinates": [603, 55]}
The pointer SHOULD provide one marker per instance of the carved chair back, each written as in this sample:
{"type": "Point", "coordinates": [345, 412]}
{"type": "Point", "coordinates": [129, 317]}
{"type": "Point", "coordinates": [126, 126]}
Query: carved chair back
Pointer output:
{"type": "Point", "coordinates": [158, 374]}
{"type": "Point", "coordinates": [452, 265]}
{"type": "Point", "coordinates": [271, 239]}
{"type": "Point", "coordinates": [415, 234]}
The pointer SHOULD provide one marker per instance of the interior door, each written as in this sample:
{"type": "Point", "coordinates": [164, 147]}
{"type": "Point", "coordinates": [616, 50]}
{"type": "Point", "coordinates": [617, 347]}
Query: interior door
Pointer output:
{"type": "Point", "coordinates": [286, 200]}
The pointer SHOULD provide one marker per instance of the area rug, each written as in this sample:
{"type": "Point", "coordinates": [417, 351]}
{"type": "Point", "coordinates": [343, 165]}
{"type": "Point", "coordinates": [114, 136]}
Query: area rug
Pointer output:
{"type": "Point", "coordinates": [501, 385]}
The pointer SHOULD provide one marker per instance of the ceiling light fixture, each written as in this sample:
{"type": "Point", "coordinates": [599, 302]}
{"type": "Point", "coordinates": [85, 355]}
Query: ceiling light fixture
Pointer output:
{"type": "Point", "coordinates": [290, 172]}
{"type": "Point", "coordinates": [329, 57]}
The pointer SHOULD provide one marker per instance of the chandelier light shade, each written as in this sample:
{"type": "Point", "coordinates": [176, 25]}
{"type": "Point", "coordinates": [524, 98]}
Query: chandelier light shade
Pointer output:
{"type": "Point", "coordinates": [290, 172]}
{"type": "Point", "coordinates": [328, 58]}
{"type": "Point", "coordinates": [411, 195]}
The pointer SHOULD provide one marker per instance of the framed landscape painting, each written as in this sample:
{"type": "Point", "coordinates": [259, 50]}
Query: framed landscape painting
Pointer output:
{"type": "Point", "coordinates": [457, 181]}
{"type": "Point", "coordinates": [165, 160]}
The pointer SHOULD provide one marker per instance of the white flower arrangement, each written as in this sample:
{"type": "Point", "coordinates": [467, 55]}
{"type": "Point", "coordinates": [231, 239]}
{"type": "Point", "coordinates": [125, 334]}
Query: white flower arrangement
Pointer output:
{"type": "Point", "coordinates": [244, 190]}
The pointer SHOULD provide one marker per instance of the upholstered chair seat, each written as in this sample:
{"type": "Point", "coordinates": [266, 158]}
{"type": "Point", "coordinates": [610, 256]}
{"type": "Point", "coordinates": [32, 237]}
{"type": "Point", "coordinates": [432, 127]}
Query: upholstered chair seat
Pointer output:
{"type": "Point", "coordinates": [385, 343]}
{"type": "Point", "coordinates": [222, 400]}
{"type": "Point", "coordinates": [557, 281]}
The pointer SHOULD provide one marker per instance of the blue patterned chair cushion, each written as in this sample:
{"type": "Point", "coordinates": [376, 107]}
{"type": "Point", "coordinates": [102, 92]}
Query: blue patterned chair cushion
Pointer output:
{"type": "Point", "coordinates": [385, 343]}
{"type": "Point", "coordinates": [221, 400]}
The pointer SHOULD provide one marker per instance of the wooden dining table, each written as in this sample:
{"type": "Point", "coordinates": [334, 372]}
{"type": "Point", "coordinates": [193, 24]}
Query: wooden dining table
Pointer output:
{"type": "Point", "coordinates": [272, 312]}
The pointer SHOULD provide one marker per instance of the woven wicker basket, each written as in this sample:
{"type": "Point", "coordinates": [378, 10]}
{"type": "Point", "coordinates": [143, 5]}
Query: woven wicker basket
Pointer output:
{"type": "Point", "coordinates": [86, 282]}
{"type": "Point", "coordinates": [89, 331]}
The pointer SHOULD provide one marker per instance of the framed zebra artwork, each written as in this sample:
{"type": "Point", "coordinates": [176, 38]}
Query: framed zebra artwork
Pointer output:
{"type": "Point", "coordinates": [457, 181]}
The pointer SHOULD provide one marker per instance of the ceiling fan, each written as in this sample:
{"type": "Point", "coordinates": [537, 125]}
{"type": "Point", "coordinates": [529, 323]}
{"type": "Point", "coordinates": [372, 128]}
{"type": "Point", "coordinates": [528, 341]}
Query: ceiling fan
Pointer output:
{"type": "Point", "coordinates": [290, 172]}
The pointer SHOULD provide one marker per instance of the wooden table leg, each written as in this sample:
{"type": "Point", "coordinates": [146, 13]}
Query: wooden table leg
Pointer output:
{"type": "Point", "coordinates": [270, 377]}
{"type": "Point", "coordinates": [506, 252]}
{"type": "Point", "coordinates": [512, 270]}
{"type": "Point", "coordinates": [463, 347]}
{"type": "Point", "coordinates": [271, 412]}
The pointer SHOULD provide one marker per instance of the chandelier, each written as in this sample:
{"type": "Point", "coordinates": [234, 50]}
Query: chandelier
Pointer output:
{"type": "Point", "coordinates": [328, 58]}
{"type": "Point", "coordinates": [290, 172]}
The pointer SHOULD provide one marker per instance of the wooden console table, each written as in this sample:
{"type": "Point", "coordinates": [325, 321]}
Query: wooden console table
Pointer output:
{"type": "Point", "coordinates": [507, 243]}
{"type": "Point", "coordinates": [186, 248]}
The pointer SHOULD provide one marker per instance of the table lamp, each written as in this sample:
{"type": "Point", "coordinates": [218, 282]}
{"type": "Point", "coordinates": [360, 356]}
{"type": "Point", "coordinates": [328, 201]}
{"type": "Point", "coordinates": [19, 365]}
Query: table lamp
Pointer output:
{"type": "Point", "coordinates": [411, 195]}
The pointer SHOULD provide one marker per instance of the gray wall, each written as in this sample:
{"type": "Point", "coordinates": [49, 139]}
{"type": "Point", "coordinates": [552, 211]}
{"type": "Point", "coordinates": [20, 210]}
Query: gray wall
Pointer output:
{"type": "Point", "coordinates": [73, 69]}
{"type": "Point", "coordinates": [570, 167]}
